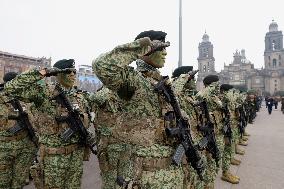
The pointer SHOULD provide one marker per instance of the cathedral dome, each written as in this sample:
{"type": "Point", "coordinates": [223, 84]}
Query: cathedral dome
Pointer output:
{"type": "Point", "coordinates": [205, 38]}
{"type": "Point", "coordinates": [273, 26]}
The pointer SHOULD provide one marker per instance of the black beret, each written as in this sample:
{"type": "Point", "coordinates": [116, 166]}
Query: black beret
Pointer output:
{"type": "Point", "coordinates": [210, 79]}
{"type": "Point", "coordinates": [181, 70]}
{"type": "Point", "coordinates": [64, 63]}
{"type": "Point", "coordinates": [153, 35]}
{"type": "Point", "coordinates": [9, 76]}
{"type": "Point", "coordinates": [226, 87]}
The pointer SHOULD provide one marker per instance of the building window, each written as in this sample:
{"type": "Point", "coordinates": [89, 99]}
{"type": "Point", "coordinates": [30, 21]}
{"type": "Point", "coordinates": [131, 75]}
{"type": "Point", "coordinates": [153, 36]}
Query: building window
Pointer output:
{"type": "Point", "coordinates": [268, 57]}
{"type": "Point", "coordinates": [279, 57]}
{"type": "Point", "coordinates": [275, 81]}
{"type": "Point", "coordinates": [274, 62]}
{"type": "Point", "coordinates": [257, 81]}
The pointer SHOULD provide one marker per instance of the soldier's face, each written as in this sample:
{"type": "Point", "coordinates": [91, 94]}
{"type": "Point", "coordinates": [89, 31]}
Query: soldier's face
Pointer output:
{"type": "Point", "coordinates": [67, 80]}
{"type": "Point", "coordinates": [158, 58]}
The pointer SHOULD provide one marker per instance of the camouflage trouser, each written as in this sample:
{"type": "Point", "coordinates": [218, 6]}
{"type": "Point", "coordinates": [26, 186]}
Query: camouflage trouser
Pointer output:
{"type": "Point", "coordinates": [227, 156]}
{"type": "Point", "coordinates": [193, 180]}
{"type": "Point", "coordinates": [119, 160]}
{"type": "Point", "coordinates": [63, 171]}
{"type": "Point", "coordinates": [235, 137]}
{"type": "Point", "coordinates": [16, 158]}
{"type": "Point", "coordinates": [212, 168]}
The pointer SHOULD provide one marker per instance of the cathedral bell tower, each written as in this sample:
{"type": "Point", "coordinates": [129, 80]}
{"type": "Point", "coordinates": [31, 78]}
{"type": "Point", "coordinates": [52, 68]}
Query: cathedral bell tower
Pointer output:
{"type": "Point", "coordinates": [273, 53]}
{"type": "Point", "coordinates": [206, 60]}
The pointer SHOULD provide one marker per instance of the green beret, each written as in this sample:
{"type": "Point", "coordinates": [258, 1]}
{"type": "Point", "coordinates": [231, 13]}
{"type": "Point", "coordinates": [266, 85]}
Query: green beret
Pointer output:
{"type": "Point", "coordinates": [210, 79]}
{"type": "Point", "coordinates": [153, 35]}
{"type": "Point", "coordinates": [9, 76]}
{"type": "Point", "coordinates": [181, 70]}
{"type": "Point", "coordinates": [226, 87]}
{"type": "Point", "coordinates": [64, 63]}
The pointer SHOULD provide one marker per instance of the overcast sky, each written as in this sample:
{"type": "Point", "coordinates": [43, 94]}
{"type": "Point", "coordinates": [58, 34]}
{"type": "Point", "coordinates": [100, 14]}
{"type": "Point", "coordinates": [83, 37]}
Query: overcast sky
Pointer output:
{"type": "Point", "coordinates": [83, 29]}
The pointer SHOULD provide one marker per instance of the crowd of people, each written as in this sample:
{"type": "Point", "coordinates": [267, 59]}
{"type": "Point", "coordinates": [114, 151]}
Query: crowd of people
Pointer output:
{"type": "Point", "coordinates": [151, 131]}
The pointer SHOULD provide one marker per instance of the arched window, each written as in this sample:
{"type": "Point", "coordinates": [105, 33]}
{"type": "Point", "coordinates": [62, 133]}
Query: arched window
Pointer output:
{"type": "Point", "coordinates": [274, 62]}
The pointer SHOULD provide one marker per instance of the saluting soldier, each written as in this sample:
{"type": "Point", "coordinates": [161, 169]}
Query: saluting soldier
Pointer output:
{"type": "Point", "coordinates": [62, 147]}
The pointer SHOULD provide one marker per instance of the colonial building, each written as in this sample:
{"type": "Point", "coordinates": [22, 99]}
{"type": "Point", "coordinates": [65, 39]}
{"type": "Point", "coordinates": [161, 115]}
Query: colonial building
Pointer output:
{"type": "Point", "coordinates": [18, 63]}
{"type": "Point", "coordinates": [236, 73]}
{"type": "Point", "coordinates": [271, 78]}
{"type": "Point", "coordinates": [267, 80]}
{"type": "Point", "coordinates": [206, 60]}
{"type": "Point", "coordinates": [87, 80]}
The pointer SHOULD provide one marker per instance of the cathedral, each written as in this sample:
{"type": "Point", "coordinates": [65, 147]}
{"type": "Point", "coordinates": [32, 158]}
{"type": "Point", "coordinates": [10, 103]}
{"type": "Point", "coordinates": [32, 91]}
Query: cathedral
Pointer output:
{"type": "Point", "coordinates": [241, 72]}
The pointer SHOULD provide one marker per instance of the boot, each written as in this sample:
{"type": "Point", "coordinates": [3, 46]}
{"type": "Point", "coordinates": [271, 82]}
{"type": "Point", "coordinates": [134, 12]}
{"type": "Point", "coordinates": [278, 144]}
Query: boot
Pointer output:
{"type": "Point", "coordinates": [227, 176]}
{"type": "Point", "coordinates": [244, 138]}
{"type": "Point", "coordinates": [240, 152]}
{"type": "Point", "coordinates": [235, 161]}
{"type": "Point", "coordinates": [243, 143]}
{"type": "Point", "coordinates": [246, 134]}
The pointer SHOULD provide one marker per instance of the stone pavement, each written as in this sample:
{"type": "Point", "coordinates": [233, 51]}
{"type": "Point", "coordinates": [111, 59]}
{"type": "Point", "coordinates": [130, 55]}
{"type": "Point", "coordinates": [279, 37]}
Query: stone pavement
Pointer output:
{"type": "Point", "coordinates": [262, 166]}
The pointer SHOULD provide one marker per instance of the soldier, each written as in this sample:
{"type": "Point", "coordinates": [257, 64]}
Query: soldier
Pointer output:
{"type": "Point", "coordinates": [210, 94]}
{"type": "Point", "coordinates": [282, 104]}
{"type": "Point", "coordinates": [229, 108]}
{"type": "Point", "coordinates": [185, 88]}
{"type": "Point", "coordinates": [142, 127]}
{"type": "Point", "coordinates": [17, 150]}
{"type": "Point", "coordinates": [58, 107]}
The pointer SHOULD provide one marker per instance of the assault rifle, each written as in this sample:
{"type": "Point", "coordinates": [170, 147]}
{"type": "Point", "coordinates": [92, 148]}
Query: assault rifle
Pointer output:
{"type": "Point", "coordinates": [73, 120]}
{"type": "Point", "coordinates": [208, 141]}
{"type": "Point", "coordinates": [23, 122]}
{"type": "Point", "coordinates": [181, 131]}
{"type": "Point", "coordinates": [242, 121]}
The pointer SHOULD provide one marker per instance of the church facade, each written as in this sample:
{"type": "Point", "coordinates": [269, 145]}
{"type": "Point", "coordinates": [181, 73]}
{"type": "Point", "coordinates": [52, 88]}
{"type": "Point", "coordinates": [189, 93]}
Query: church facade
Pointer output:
{"type": "Point", "coordinates": [241, 72]}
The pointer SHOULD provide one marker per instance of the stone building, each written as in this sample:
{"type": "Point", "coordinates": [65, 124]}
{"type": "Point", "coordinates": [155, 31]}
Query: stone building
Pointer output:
{"type": "Point", "coordinates": [87, 80]}
{"type": "Point", "coordinates": [267, 80]}
{"type": "Point", "coordinates": [271, 78]}
{"type": "Point", "coordinates": [18, 63]}
{"type": "Point", "coordinates": [236, 73]}
{"type": "Point", "coordinates": [206, 60]}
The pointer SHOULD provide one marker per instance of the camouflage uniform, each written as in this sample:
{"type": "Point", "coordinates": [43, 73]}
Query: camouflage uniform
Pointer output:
{"type": "Point", "coordinates": [229, 100]}
{"type": "Point", "coordinates": [60, 161]}
{"type": "Point", "coordinates": [141, 124]}
{"type": "Point", "coordinates": [210, 95]}
{"type": "Point", "coordinates": [112, 155]}
{"type": "Point", "coordinates": [185, 91]}
{"type": "Point", "coordinates": [16, 151]}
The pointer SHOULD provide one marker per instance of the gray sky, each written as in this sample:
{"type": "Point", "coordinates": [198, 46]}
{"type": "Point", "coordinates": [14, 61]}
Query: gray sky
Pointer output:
{"type": "Point", "coordinates": [84, 29]}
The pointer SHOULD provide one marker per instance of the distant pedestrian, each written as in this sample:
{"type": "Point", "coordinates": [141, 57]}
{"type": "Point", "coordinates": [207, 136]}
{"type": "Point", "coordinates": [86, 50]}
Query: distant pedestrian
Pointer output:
{"type": "Point", "coordinates": [269, 105]}
{"type": "Point", "coordinates": [282, 104]}
{"type": "Point", "coordinates": [275, 103]}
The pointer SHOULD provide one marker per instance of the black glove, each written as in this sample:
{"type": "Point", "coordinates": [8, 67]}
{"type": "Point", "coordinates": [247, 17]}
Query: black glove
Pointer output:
{"type": "Point", "coordinates": [157, 45]}
{"type": "Point", "coordinates": [55, 71]}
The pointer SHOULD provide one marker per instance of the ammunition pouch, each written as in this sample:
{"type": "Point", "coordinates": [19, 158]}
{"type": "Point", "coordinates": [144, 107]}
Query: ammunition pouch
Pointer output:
{"type": "Point", "coordinates": [4, 167]}
{"type": "Point", "coordinates": [61, 150]}
{"type": "Point", "coordinates": [21, 135]}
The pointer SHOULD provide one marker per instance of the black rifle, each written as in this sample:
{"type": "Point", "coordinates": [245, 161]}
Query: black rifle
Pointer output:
{"type": "Point", "coordinates": [23, 122]}
{"type": "Point", "coordinates": [181, 131]}
{"type": "Point", "coordinates": [242, 121]}
{"type": "Point", "coordinates": [208, 142]}
{"type": "Point", "coordinates": [227, 124]}
{"type": "Point", "coordinates": [73, 120]}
